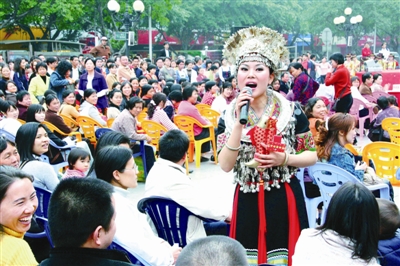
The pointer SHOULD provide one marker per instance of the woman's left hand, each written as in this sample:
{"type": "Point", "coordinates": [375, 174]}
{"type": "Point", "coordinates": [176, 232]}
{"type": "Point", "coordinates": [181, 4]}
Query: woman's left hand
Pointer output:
{"type": "Point", "coordinates": [270, 159]}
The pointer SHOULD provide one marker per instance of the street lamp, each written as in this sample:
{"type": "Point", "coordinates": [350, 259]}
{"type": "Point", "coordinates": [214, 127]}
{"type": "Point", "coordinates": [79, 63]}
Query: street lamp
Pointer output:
{"type": "Point", "coordinates": [347, 25]}
{"type": "Point", "coordinates": [127, 19]}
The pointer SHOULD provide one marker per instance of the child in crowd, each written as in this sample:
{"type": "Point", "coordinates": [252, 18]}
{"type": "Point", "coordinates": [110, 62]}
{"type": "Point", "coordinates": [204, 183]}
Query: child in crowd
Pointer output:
{"type": "Point", "coordinates": [78, 163]}
{"type": "Point", "coordinates": [389, 243]}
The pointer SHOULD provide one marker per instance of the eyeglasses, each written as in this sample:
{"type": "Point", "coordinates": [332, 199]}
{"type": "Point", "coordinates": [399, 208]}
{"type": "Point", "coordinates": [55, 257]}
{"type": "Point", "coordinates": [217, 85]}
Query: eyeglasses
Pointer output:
{"type": "Point", "coordinates": [135, 167]}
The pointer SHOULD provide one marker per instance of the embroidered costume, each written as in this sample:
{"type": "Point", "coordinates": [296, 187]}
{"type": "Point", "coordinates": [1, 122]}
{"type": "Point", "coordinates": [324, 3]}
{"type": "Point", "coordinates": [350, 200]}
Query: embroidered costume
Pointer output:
{"type": "Point", "coordinates": [268, 211]}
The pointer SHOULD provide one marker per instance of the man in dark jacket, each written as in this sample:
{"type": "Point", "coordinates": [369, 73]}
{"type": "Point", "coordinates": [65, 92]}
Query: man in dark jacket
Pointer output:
{"type": "Point", "coordinates": [82, 224]}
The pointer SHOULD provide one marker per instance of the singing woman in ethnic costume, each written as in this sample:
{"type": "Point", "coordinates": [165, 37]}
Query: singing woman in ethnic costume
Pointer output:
{"type": "Point", "coordinates": [269, 211]}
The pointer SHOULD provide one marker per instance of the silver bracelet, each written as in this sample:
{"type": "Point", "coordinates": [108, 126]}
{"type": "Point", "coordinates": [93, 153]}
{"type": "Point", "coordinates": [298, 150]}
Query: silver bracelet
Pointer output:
{"type": "Point", "coordinates": [232, 149]}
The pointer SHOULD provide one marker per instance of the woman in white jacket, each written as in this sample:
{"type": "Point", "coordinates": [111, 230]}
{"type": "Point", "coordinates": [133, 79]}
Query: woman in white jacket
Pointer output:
{"type": "Point", "coordinates": [349, 235]}
{"type": "Point", "coordinates": [88, 106]}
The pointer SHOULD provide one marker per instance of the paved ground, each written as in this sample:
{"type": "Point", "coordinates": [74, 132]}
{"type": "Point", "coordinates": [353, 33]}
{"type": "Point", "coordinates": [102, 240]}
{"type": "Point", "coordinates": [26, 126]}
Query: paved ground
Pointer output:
{"type": "Point", "coordinates": [212, 179]}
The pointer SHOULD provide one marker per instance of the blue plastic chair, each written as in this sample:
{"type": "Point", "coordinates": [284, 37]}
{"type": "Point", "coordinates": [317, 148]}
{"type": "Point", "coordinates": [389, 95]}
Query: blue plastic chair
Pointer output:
{"type": "Point", "coordinates": [330, 177]}
{"type": "Point", "coordinates": [130, 256]}
{"type": "Point", "coordinates": [7, 135]}
{"type": "Point", "coordinates": [311, 203]}
{"type": "Point", "coordinates": [398, 174]}
{"type": "Point", "coordinates": [99, 132]}
{"type": "Point", "coordinates": [43, 197]}
{"type": "Point", "coordinates": [169, 218]}
{"type": "Point", "coordinates": [44, 223]}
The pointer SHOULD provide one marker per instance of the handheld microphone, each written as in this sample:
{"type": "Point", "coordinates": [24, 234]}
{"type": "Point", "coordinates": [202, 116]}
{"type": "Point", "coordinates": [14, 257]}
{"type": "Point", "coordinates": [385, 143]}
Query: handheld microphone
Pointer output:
{"type": "Point", "coordinates": [244, 110]}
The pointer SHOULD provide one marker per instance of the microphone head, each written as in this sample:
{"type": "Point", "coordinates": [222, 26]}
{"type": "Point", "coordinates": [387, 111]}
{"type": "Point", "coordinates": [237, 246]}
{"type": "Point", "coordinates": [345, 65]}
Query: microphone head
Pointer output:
{"type": "Point", "coordinates": [248, 90]}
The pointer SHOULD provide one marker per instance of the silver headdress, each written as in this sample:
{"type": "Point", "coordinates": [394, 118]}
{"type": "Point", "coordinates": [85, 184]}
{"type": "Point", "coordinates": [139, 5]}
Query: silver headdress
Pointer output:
{"type": "Point", "coordinates": [256, 44]}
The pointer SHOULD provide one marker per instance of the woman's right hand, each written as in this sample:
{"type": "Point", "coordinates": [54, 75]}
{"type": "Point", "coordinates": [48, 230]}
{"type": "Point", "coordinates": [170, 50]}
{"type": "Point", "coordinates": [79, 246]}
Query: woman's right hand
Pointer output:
{"type": "Point", "coordinates": [361, 166]}
{"type": "Point", "coordinates": [241, 100]}
{"type": "Point", "coordinates": [176, 251]}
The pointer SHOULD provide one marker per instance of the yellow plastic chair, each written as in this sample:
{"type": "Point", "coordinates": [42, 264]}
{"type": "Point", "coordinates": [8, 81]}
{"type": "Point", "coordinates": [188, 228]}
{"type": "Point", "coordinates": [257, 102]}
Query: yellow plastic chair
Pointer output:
{"type": "Point", "coordinates": [154, 130]}
{"type": "Point", "coordinates": [53, 128]}
{"type": "Point", "coordinates": [211, 115]}
{"type": "Point", "coordinates": [69, 121]}
{"type": "Point", "coordinates": [392, 126]}
{"type": "Point", "coordinates": [186, 123]}
{"type": "Point", "coordinates": [21, 121]}
{"type": "Point", "coordinates": [110, 121]}
{"type": "Point", "coordinates": [88, 126]}
{"type": "Point", "coordinates": [201, 106]}
{"type": "Point", "coordinates": [386, 158]}
{"type": "Point", "coordinates": [142, 115]}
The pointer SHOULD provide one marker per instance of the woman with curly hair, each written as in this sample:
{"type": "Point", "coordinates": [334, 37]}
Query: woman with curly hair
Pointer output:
{"type": "Point", "coordinates": [59, 80]}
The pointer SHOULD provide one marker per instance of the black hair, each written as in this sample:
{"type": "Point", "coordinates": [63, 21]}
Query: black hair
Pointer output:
{"type": "Point", "coordinates": [130, 85]}
{"type": "Point", "coordinates": [32, 110]}
{"type": "Point", "coordinates": [165, 58]}
{"type": "Point", "coordinates": [175, 96]}
{"type": "Point", "coordinates": [4, 143]}
{"type": "Point", "coordinates": [366, 76]}
{"type": "Point", "coordinates": [376, 76]}
{"type": "Point", "coordinates": [392, 100]}
{"type": "Point", "coordinates": [66, 93]}
{"type": "Point", "coordinates": [295, 65]}
{"type": "Point", "coordinates": [21, 95]}
{"type": "Point", "coordinates": [213, 67]}
{"type": "Point", "coordinates": [182, 80]}
{"type": "Point", "coordinates": [49, 98]}
{"type": "Point", "coordinates": [73, 57]}
{"type": "Point", "coordinates": [63, 68]}
{"type": "Point", "coordinates": [115, 84]}
{"type": "Point", "coordinates": [25, 140]}
{"type": "Point", "coordinates": [176, 87]}
{"type": "Point", "coordinates": [338, 58]}
{"type": "Point", "coordinates": [1, 93]}
{"type": "Point", "coordinates": [132, 102]}
{"type": "Point", "coordinates": [157, 98]}
{"type": "Point", "coordinates": [226, 85]}
{"type": "Point", "coordinates": [187, 62]}
{"type": "Point", "coordinates": [9, 82]}
{"type": "Point", "coordinates": [383, 102]}
{"type": "Point", "coordinates": [312, 56]}
{"type": "Point", "coordinates": [209, 85]}
{"type": "Point", "coordinates": [77, 207]}
{"type": "Point", "coordinates": [354, 79]}
{"type": "Point", "coordinates": [187, 93]}
{"type": "Point", "coordinates": [90, 59]}
{"type": "Point", "coordinates": [110, 159]}
{"type": "Point", "coordinates": [112, 93]}
{"type": "Point", "coordinates": [112, 65]}
{"type": "Point", "coordinates": [151, 81]}
{"type": "Point", "coordinates": [87, 94]}
{"type": "Point", "coordinates": [353, 212]}
{"type": "Point", "coordinates": [131, 79]}
{"type": "Point", "coordinates": [75, 155]}
{"type": "Point", "coordinates": [8, 175]}
{"type": "Point", "coordinates": [112, 138]}
{"type": "Point", "coordinates": [142, 77]}
{"type": "Point", "coordinates": [40, 64]}
{"type": "Point", "coordinates": [179, 61]}
{"type": "Point", "coordinates": [151, 66]}
{"type": "Point", "coordinates": [5, 106]}
{"type": "Point", "coordinates": [390, 218]}
{"type": "Point", "coordinates": [173, 145]}
{"type": "Point", "coordinates": [310, 106]}
{"type": "Point", "coordinates": [145, 89]}
{"type": "Point", "coordinates": [17, 65]}
{"type": "Point", "coordinates": [159, 58]}
{"type": "Point", "coordinates": [50, 60]}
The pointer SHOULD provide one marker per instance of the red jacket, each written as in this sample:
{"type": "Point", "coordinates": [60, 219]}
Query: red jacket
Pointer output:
{"type": "Point", "coordinates": [340, 79]}
{"type": "Point", "coordinates": [366, 52]}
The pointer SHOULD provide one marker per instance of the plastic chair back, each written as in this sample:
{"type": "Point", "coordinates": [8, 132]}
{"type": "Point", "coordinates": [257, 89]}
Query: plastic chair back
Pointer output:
{"type": "Point", "coordinates": [201, 106]}
{"type": "Point", "coordinates": [43, 197]}
{"type": "Point", "coordinates": [130, 256]}
{"type": "Point", "coordinates": [311, 203]}
{"type": "Point", "coordinates": [211, 115]}
{"type": "Point", "coordinates": [53, 128]}
{"type": "Point", "coordinates": [377, 94]}
{"type": "Point", "coordinates": [154, 130]}
{"type": "Point", "coordinates": [141, 153]}
{"type": "Point", "coordinates": [392, 126]}
{"type": "Point", "coordinates": [99, 132]}
{"type": "Point", "coordinates": [88, 126]}
{"type": "Point", "coordinates": [186, 124]}
{"type": "Point", "coordinates": [369, 98]}
{"type": "Point", "coordinates": [386, 158]}
{"type": "Point", "coordinates": [110, 121]}
{"type": "Point", "coordinates": [69, 121]}
{"type": "Point", "coordinates": [7, 135]}
{"type": "Point", "coordinates": [21, 121]}
{"type": "Point", "coordinates": [142, 115]}
{"type": "Point", "coordinates": [330, 177]}
{"type": "Point", "coordinates": [44, 223]}
{"type": "Point", "coordinates": [354, 111]}
{"type": "Point", "coordinates": [169, 218]}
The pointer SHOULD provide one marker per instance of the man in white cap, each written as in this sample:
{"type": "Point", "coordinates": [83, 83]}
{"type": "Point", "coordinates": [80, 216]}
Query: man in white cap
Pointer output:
{"type": "Point", "coordinates": [101, 50]}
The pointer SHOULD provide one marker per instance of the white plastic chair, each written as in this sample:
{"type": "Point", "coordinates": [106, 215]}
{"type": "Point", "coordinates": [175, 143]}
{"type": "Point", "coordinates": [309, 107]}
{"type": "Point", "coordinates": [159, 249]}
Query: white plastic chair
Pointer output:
{"type": "Point", "coordinates": [311, 203]}
{"type": "Point", "coordinates": [330, 177]}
